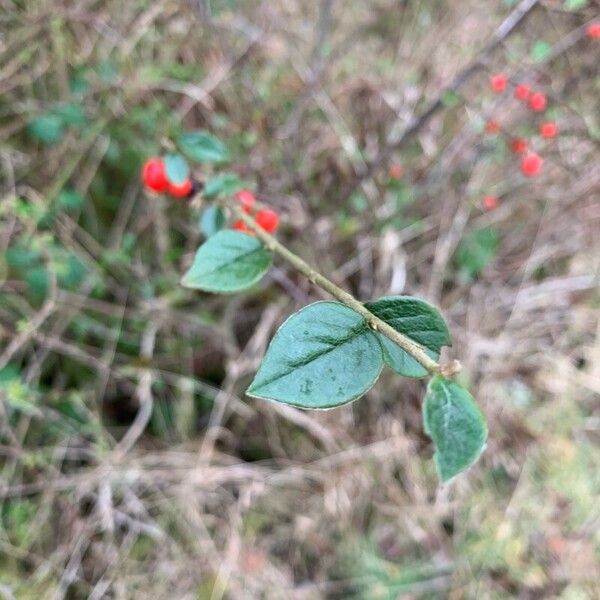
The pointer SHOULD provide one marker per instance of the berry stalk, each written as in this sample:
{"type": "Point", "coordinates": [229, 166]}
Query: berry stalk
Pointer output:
{"type": "Point", "coordinates": [415, 350]}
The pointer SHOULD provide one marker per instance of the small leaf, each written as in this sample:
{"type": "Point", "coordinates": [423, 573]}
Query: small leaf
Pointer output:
{"type": "Point", "coordinates": [540, 50]}
{"type": "Point", "coordinates": [177, 168]}
{"type": "Point", "coordinates": [323, 356]}
{"type": "Point", "coordinates": [212, 220]}
{"type": "Point", "coordinates": [454, 422]}
{"type": "Point", "coordinates": [575, 4]}
{"type": "Point", "coordinates": [476, 251]}
{"type": "Point", "coordinates": [202, 146]}
{"type": "Point", "coordinates": [225, 184]}
{"type": "Point", "coordinates": [48, 129]}
{"type": "Point", "coordinates": [228, 262]}
{"type": "Point", "coordinates": [417, 320]}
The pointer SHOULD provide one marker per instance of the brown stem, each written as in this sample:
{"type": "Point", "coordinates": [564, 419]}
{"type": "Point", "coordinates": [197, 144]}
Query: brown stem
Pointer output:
{"type": "Point", "coordinates": [415, 350]}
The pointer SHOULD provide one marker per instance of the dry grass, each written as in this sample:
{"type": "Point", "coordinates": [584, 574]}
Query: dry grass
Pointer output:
{"type": "Point", "coordinates": [133, 466]}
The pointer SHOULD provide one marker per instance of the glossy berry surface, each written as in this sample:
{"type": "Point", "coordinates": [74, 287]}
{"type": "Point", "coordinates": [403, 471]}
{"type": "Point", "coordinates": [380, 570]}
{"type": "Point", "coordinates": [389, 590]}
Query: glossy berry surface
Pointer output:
{"type": "Point", "coordinates": [522, 92]}
{"type": "Point", "coordinates": [498, 82]}
{"type": "Point", "coordinates": [548, 130]}
{"type": "Point", "coordinates": [593, 31]}
{"type": "Point", "coordinates": [531, 165]}
{"type": "Point", "coordinates": [246, 199]}
{"type": "Point", "coordinates": [492, 127]}
{"type": "Point", "coordinates": [537, 102]}
{"type": "Point", "coordinates": [181, 190]}
{"type": "Point", "coordinates": [154, 175]}
{"type": "Point", "coordinates": [267, 219]}
{"type": "Point", "coordinates": [490, 202]}
{"type": "Point", "coordinates": [518, 146]}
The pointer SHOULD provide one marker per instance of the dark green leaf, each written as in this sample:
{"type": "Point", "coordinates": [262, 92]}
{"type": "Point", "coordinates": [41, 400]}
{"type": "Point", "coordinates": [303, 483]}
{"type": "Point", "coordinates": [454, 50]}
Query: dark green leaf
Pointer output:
{"type": "Point", "coordinates": [70, 200]}
{"type": "Point", "coordinates": [417, 320]}
{"type": "Point", "coordinates": [323, 356]}
{"type": "Point", "coordinates": [225, 184]}
{"type": "Point", "coordinates": [454, 422]}
{"type": "Point", "coordinates": [202, 146]}
{"type": "Point", "coordinates": [212, 220]}
{"type": "Point", "coordinates": [228, 262]}
{"type": "Point", "coordinates": [71, 113]}
{"type": "Point", "coordinates": [476, 251]}
{"type": "Point", "coordinates": [177, 168]}
{"type": "Point", "coordinates": [48, 129]}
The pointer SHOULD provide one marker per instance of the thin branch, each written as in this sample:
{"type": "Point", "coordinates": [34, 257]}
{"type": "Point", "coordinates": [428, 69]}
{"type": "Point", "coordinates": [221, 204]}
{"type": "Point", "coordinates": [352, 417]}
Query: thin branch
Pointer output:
{"type": "Point", "coordinates": [415, 350]}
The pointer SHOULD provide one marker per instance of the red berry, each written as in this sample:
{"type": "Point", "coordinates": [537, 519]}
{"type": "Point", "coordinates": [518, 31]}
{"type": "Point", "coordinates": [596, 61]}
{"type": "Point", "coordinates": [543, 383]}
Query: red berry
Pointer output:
{"type": "Point", "coordinates": [181, 190]}
{"type": "Point", "coordinates": [154, 175]}
{"type": "Point", "coordinates": [246, 199]}
{"type": "Point", "coordinates": [593, 31]}
{"type": "Point", "coordinates": [395, 171]}
{"type": "Point", "coordinates": [498, 82]}
{"type": "Point", "coordinates": [267, 219]}
{"type": "Point", "coordinates": [531, 165]}
{"type": "Point", "coordinates": [548, 130]}
{"type": "Point", "coordinates": [490, 202]}
{"type": "Point", "coordinates": [522, 92]}
{"type": "Point", "coordinates": [537, 102]}
{"type": "Point", "coordinates": [492, 127]}
{"type": "Point", "coordinates": [519, 146]}
{"type": "Point", "coordinates": [241, 226]}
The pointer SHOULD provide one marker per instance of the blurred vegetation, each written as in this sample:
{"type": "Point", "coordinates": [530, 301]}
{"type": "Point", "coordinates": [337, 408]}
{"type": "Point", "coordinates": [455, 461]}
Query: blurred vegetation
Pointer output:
{"type": "Point", "coordinates": [131, 464]}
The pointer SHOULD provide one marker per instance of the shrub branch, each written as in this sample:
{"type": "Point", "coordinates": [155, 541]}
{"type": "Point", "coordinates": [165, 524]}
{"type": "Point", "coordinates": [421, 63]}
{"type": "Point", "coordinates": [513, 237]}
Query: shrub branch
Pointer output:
{"type": "Point", "coordinates": [413, 348]}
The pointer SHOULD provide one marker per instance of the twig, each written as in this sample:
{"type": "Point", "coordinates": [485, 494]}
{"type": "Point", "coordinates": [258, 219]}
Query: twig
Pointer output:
{"type": "Point", "coordinates": [478, 63]}
{"type": "Point", "coordinates": [415, 350]}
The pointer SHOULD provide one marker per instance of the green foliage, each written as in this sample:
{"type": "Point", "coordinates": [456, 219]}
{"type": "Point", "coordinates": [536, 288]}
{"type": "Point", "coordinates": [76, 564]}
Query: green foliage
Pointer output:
{"type": "Point", "coordinates": [177, 168]}
{"type": "Point", "coordinates": [51, 127]}
{"type": "Point", "coordinates": [323, 356]}
{"type": "Point", "coordinates": [575, 4]}
{"type": "Point", "coordinates": [225, 184]}
{"type": "Point", "coordinates": [540, 50]}
{"type": "Point", "coordinates": [455, 424]}
{"type": "Point", "coordinates": [417, 320]}
{"type": "Point", "coordinates": [227, 262]}
{"type": "Point", "coordinates": [475, 252]}
{"type": "Point", "coordinates": [202, 147]}
{"type": "Point", "coordinates": [212, 220]}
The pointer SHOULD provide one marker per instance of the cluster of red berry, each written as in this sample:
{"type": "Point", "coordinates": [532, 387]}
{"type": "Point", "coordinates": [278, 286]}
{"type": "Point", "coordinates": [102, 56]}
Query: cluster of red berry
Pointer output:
{"type": "Point", "coordinates": [531, 163]}
{"type": "Point", "coordinates": [155, 179]}
{"type": "Point", "coordinates": [265, 218]}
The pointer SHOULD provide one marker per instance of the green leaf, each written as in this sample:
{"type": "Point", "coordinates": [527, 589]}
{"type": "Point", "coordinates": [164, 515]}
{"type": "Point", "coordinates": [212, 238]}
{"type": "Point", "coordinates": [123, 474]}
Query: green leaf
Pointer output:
{"type": "Point", "coordinates": [575, 4]}
{"type": "Point", "coordinates": [177, 168]}
{"type": "Point", "coordinates": [454, 422]}
{"type": "Point", "coordinates": [71, 113]}
{"type": "Point", "coordinates": [540, 50]}
{"type": "Point", "coordinates": [69, 200]}
{"type": "Point", "coordinates": [417, 320]}
{"type": "Point", "coordinates": [48, 129]}
{"type": "Point", "coordinates": [202, 146]}
{"type": "Point", "coordinates": [227, 262]}
{"type": "Point", "coordinates": [476, 251]}
{"type": "Point", "coordinates": [212, 220]}
{"type": "Point", "coordinates": [323, 356]}
{"type": "Point", "coordinates": [225, 184]}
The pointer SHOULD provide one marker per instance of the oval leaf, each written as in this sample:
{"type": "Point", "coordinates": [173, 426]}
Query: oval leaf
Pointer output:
{"type": "Point", "coordinates": [454, 422]}
{"type": "Point", "coordinates": [202, 146]}
{"type": "Point", "coordinates": [323, 356]}
{"type": "Point", "coordinates": [212, 220]}
{"type": "Point", "coordinates": [417, 320]}
{"type": "Point", "coordinates": [225, 184]}
{"type": "Point", "coordinates": [177, 168]}
{"type": "Point", "coordinates": [227, 262]}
